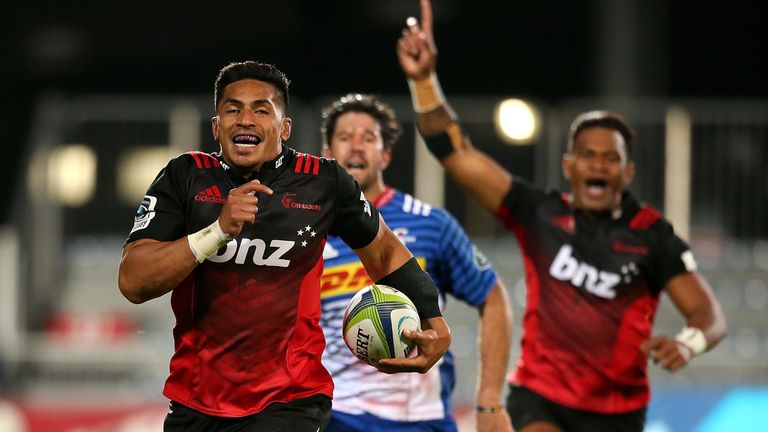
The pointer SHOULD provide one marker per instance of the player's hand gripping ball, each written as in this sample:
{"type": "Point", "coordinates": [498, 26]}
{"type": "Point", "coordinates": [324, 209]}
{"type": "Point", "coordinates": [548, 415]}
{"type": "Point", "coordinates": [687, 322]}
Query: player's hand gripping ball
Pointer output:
{"type": "Point", "coordinates": [374, 321]}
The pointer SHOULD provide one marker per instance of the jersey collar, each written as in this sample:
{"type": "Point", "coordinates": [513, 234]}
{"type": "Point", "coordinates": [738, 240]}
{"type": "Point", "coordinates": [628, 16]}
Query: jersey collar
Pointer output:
{"type": "Point", "coordinates": [269, 170]}
{"type": "Point", "coordinates": [628, 207]}
{"type": "Point", "coordinates": [385, 197]}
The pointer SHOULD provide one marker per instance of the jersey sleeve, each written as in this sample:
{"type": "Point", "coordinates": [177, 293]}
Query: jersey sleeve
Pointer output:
{"type": "Point", "coordinates": [160, 215]}
{"type": "Point", "coordinates": [357, 219]}
{"type": "Point", "coordinates": [673, 256]}
{"type": "Point", "coordinates": [518, 206]}
{"type": "Point", "coordinates": [468, 274]}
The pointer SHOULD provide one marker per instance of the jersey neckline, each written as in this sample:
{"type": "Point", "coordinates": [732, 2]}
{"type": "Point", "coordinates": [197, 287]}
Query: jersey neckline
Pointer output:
{"type": "Point", "coordinates": [385, 197]}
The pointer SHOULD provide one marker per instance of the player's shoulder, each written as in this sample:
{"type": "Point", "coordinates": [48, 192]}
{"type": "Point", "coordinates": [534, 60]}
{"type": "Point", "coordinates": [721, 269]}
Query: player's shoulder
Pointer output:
{"type": "Point", "coordinates": [404, 208]}
{"type": "Point", "coordinates": [644, 217]}
{"type": "Point", "coordinates": [524, 193]}
{"type": "Point", "coordinates": [196, 160]}
{"type": "Point", "coordinates": [408, 204]}
{"type": "Point", "coordinates": [313, 165]}
{"type": "Point", "coordinates": [191, 163]}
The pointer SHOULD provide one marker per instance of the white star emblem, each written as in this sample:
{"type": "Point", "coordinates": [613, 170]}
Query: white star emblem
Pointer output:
{"type": "Point", "coordinates": [312, 233]}
{"type": "Point", "coordinates": [304, 243]}
{"type": "Point", "coordinates": [300, 232]}
{"type": "Point", "coordinates": [307, 228]}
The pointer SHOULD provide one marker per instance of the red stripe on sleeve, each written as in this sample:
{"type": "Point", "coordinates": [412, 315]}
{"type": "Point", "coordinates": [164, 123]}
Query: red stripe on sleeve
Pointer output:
{"type": "Point", "coordinates": [209, 160]}
{"type": "Point", "coordinates": [646, 217]}
{"type": "Point", "coordinates": [197, 159]}
{"type": "Point", "coordinates": [316, 166]}
{"type": "Point", "coordinates": [299, 161]}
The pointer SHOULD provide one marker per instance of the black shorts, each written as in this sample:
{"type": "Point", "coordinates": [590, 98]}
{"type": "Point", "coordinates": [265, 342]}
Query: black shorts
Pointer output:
{"type": "Point", "coordinates": [526, 407]}
{"type": "Point", "coordinates": [301, 415]}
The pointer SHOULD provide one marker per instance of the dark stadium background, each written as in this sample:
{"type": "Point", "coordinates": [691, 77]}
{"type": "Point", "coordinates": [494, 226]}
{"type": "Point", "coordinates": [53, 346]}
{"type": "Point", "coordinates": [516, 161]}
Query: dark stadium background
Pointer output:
{"type": "Point", "coordinates": [58, 262]}
{"type": "Point", "coordinates": [549, 49]}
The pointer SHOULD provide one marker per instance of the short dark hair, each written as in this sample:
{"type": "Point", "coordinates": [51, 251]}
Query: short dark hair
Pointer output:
{"type": "Point", "coordinates": [364, 103]}
{"type": "Point", "coordinates": [251, 70]}
{"type": "Point", "coordinates": [602, 118]}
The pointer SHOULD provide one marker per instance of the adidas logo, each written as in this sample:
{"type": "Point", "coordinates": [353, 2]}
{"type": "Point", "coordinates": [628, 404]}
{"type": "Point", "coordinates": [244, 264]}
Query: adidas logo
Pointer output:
{"type": "Point", "coordinates": [210, 195]}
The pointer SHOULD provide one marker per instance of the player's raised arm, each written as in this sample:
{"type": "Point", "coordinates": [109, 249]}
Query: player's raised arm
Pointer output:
{"type": "Point", "coordinates": [484, 179]}
{"type": "Point", "coordinates": [389, 262]}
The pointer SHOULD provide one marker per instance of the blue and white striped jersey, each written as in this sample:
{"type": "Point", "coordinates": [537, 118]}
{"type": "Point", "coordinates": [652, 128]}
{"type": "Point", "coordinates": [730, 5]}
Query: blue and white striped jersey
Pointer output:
{"type": "Point", "coordinates": [457, 268]}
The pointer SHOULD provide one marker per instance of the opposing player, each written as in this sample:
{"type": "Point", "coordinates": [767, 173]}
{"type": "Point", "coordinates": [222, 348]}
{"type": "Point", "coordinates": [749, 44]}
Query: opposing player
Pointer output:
{"type": "Point", "coordinates": [596, 260]}
{"type": "Point", "coordinates": [237, 237]}
{"type": "Point", "coordinates": [359, 131]}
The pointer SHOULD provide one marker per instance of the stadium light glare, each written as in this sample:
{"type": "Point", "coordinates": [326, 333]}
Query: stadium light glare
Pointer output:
{"type": "Point", "coordinates": [517, 121]}
{"type": "Point", "coordinates": [72, 174]}
{"type": "Point", "coordinates": [136, 169]}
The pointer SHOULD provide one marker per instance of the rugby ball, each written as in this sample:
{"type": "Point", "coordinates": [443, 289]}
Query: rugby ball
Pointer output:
{"type": "Point", "coordinates": [374, 321]}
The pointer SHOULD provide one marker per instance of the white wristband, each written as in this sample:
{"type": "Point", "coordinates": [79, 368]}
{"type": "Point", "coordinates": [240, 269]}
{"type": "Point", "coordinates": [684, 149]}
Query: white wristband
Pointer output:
{"type": "Point", "coordinates": [426, 94]}
{"type": "Point", "coordinates": [207, 241]}
{"type": "Point", "coordinates": [693, 338]}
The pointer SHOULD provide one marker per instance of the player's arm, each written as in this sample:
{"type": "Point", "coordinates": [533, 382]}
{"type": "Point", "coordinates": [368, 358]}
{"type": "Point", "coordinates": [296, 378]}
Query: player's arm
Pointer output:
{"type": "Point", "coordinates": [389, 262]}
{"type": "Point", "coordinates": [495, 340]}
{"type": "Point", "coordinates": [479, 175]}
{"type": "Point", "coordinates": [705, 323]}
{"type": "Point", "coordinates": [150, 268]}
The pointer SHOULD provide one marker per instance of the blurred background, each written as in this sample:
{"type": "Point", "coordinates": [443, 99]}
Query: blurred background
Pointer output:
{"type": "Point", "coordinates": [98, 96]}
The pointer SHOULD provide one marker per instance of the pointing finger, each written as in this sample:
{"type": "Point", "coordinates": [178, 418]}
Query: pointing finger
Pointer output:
{"type": "Point", "coordinates": [426, 17]}
{"type": "Point", "coordinates": [252, 187]}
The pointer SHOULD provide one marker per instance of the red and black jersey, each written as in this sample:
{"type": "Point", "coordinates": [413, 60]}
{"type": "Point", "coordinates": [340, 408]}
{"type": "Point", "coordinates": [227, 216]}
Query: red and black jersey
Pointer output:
{"type": "Point", "coordinates": [247, 319]}
{"type": "Point", "coordinates": [593, 285]}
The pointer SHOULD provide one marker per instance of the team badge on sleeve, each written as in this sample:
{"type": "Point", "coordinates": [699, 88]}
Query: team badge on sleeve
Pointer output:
{"type": "Point", "coordinates": [145, 213]}
{"type": "Point", "coordinates": [480, 260]}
